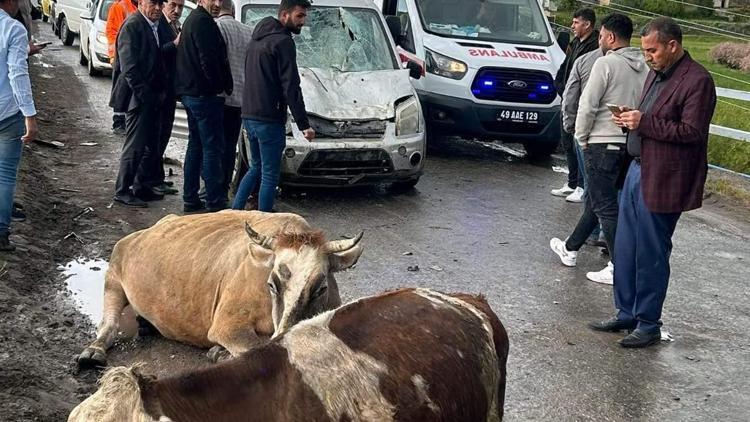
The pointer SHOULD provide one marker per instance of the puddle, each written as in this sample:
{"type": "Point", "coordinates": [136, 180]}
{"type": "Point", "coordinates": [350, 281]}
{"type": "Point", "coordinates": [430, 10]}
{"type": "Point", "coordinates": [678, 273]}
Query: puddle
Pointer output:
{"type": "Point", "coordinates": [85, 280]}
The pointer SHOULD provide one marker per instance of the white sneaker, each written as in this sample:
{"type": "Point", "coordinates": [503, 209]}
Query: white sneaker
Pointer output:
{"type": "Point", "coordinates": [605, 276]}
{"type": "Point", "coordinates": [568, 258]}
{"type": "Point", "coordinates": [576, 196]}
{"type": "Point", "coordinates": [563, 191]}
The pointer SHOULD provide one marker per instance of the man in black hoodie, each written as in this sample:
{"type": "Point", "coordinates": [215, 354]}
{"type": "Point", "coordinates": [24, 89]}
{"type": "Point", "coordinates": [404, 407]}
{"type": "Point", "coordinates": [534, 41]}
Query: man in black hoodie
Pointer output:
{"type": "Point", "coordinates": [272, 84]}
{"type": "Point", "coordinates": [586, 40]}
{"type": "Point", "coordinates": [203, 73]}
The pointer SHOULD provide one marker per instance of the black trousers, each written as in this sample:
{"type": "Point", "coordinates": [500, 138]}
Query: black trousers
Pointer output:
{"type": "Point", "coordinates": [140, 148]}
{"type": "Point", "coordinates": [602, 163]}
{"type": "Point", "coordinates": [155, 165]}
{"type": "Point", "coordinates": [232, 127]}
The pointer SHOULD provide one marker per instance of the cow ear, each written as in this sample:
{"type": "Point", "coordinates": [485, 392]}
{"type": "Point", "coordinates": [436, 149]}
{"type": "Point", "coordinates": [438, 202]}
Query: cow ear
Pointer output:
{"type": "Point", "coordinates": [340, 261]}
{"type": "Point", "coordinates": [261, 255]}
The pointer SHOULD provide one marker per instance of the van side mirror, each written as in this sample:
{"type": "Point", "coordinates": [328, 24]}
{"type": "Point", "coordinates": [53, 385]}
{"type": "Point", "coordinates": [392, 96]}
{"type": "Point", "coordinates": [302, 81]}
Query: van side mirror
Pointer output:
{"type": "Point", "coordinates": [394, 26]}
{"type": "Point", "coordinates": [415, 70]}
{"type": "Point", "coordinates": [563, 39]}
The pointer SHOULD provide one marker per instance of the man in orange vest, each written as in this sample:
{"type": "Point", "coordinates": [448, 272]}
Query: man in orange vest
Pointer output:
{"type": "Point", "coordinates": [118, 12]}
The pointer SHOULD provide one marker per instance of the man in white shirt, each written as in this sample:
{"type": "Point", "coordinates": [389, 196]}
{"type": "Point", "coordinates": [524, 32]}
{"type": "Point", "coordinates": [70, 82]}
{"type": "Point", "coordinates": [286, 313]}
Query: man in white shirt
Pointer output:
{"type": "Point", "coordinates": [17, 112]}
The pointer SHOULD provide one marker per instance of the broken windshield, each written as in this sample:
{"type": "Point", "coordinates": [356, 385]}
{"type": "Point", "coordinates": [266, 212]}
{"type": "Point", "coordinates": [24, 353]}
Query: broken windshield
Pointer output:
{"type": "Point", "coordinates": [345, 39]}
{"type": "Point", "coordinates": [510, 21]}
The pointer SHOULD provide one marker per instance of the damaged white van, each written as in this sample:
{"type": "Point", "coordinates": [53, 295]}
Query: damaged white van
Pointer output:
{"type": "Point", "coordinates": [366, 114]}
{"type": "Point", "coordinates": [488, 66]}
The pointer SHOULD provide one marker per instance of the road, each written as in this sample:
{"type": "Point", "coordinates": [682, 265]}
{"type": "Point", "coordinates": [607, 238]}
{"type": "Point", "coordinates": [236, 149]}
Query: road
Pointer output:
{"type": "Point", "coordinates": [480, 222]}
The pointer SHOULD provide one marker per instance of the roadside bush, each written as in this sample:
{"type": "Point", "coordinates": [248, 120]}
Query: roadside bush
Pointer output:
{"type": "Point", "coordinates": [733, 55]}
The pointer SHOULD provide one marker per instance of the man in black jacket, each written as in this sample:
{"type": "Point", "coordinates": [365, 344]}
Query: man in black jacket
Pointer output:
{"type": "Point", "coordinates": [203, 73]}
{"type": "Point", "coordinates": [144, 46]}
{"type": "Point", "coordinates": [586, 40]}
{"type": "Point", "coordinates": [272, 84]}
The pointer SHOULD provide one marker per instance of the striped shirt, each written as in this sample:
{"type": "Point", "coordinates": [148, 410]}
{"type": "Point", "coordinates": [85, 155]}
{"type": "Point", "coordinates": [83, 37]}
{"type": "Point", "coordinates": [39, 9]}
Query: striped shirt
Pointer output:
{"type": "Point", "coordinates": [15, 86]}
{"type": "Point", "coordinates": [237, 37]}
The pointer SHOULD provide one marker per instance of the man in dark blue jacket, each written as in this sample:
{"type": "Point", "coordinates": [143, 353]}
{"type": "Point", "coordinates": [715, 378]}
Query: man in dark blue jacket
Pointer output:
{"type": "Point", "coordinates": [203, 73]}
{"type": "Point", "coordinates": [272, 84]}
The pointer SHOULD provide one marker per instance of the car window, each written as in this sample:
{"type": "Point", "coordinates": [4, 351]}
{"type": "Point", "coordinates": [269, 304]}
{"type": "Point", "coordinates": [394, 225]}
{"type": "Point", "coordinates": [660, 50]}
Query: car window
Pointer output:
{"type": "Point", "coordinates": [347, 39]}
{"type": "Point", "coordinates": [407, 41]}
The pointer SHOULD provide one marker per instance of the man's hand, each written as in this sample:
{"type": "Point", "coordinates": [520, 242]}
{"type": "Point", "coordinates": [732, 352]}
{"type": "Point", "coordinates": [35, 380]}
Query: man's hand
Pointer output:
{"type": "Point", "coordinates": [309, 134]}
{"type": "Point", "coordinates": [31, 130]}
{"type": "Point", "coordinates": [35, 49]}
{"type": "Point", "coordinates": [628, 119]}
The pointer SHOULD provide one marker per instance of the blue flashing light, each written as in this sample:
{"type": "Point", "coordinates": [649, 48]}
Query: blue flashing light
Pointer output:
{"type": "Point", "coordinates": [475, 91]}
{"type": "Point", "coordinates": [488, 83]}
{"type": "Point", "coordinates": [533, 96]}
{"type": "Point", "coordinates": [544, 87]}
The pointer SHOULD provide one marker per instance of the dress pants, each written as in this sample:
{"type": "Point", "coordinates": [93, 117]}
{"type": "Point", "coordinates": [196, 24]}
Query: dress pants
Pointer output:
{"type": "Point", "coordinates": [232, 127]}
{"type": "Point", "coordinates": [642, 249]}
{"type": "Point", "coordinates": [155, 164]}
{"type": "Point", "coordinates": [141, 146]}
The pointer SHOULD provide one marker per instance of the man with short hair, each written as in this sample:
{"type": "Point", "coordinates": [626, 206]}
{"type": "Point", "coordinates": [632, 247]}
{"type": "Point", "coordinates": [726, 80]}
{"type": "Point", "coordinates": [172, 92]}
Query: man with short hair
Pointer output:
{"type": "Point", "coordinates": [203, 75]}
{"type": "Point", "coordinates": [141, 89]}
{"type": "Point", "coordinates": [272, 84]}
{"type": "Point", "coordinates": [118, 12]}
{"type": "Point", "coordinates": [585, 41]}
{"type": "Point", "coordinates": [668, 140]}
{"type": "Point", "coordinates": [237, 36]}
{"type": "Point", "coordinates": [173, 12]}
{"type": "Point", "coordinates": [17, 112]}
{"type": "Point", "coordinates": [617, 78]}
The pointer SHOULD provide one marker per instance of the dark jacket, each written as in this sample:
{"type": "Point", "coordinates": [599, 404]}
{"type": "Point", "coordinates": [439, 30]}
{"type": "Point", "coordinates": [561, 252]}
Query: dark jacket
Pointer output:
{"type": "Point", "coordinates": [142, 70]}
{"type": "Point", "coordinates": [576, 50]}
{"type": "Point", "coordinates": [674, 139]}
{"type": "Point", "coordinates": [271, 76]}
{"type": "Point", "coordinates": [202, 58]}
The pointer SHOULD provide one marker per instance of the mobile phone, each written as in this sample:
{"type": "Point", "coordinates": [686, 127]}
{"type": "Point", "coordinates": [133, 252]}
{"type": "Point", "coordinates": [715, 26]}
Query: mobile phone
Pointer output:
{"type": "Point", "coordinates": [616, 110]}
{"type": "Point", "coordinates": [43, 43]}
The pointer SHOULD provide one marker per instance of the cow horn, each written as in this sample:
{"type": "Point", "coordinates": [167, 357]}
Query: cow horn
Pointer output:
{"type": "Point", "coordinates": [334, 246]}
{"type": "Point", "coordinates": [258, 238]}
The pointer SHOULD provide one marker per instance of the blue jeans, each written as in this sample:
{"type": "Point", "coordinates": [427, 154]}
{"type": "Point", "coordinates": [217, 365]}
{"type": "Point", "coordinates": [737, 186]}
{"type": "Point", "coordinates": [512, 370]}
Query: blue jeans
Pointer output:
{"type": "Point", "coordinates": [642, 248]}
{"type": "Point", "coordinates": [11, 131]}
{"type": "Point", "coordinates": [267, 142]}
{"type": "Point", "coordinates": [205, 151]}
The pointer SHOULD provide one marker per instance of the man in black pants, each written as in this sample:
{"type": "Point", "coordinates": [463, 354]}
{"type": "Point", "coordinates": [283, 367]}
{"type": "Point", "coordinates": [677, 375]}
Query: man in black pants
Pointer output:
{"type": "Point", "coordinates": [141, 89]}
{"type": "Point", "coordinates": [586, 40]}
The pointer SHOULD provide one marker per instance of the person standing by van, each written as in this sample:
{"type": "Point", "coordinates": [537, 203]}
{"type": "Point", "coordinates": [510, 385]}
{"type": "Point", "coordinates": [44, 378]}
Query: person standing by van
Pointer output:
{"type": "Point", "coordinates": [272, 83]}
{"type": "Point", "coordinates": [586, 40]}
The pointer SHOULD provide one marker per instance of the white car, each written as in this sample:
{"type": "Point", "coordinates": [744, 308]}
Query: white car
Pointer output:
{"type": "Point", "coordinates": [68, 18]}
{"type": "Point", "coordinates": [366, 115]}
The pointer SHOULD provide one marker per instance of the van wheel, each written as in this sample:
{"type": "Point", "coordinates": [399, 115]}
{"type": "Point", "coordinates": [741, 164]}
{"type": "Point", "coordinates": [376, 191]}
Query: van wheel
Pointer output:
{"type": "Point", "coordinates": [45, 18]}
{"type": "Point", "coordinates": [66, 36]}
{"type": "Point", "coordinates": [405, 185]}
{"type": "Point", "coordinates": [540, 149]}
{"type": "Point", "coordinates": [92, 70]}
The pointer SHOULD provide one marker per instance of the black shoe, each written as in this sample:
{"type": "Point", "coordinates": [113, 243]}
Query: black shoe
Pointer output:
{"type": "Point", "coordinates": [193, 207]}
{"type": "Point", "coordinates": [164, 189]}
{"type": "Point", "coordinates": [612, 325]}
{"type": "Point", "coordinates": [639, 339]}
{"type": "Point", "coordinates": [168, 183]}
{"type": "Point", "coordinates": [217, 208]}
{"type": "Point", "coordinates": [5, 245]}
{"type": "Point", "coordinates": [17, 215]}
{"type": "Point", "coordinates": [17, 205]}
{"type": "Point", "coordinates": [149, 195]}
{"type": "Point", "coordinates": [131, 201]}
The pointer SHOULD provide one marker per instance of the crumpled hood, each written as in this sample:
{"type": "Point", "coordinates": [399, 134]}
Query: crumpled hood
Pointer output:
{"type": "Point", "coordinates": [338, 95]}
{"type": "Point", "coordinates": [632, 56]}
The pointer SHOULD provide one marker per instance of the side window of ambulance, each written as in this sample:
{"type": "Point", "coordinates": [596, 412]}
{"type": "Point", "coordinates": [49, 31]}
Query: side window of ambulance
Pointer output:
{"type": "Point", "coordinates": [407, 42]}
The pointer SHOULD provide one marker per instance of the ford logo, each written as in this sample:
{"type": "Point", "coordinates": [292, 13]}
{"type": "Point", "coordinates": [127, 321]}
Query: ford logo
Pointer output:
{"type": "Point", "coordinates": [516, 84]}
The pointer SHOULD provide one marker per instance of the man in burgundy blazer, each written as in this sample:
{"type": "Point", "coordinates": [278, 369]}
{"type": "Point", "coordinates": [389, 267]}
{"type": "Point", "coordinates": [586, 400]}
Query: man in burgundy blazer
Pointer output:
{"type": "Point", "coordinates": [668, 139]}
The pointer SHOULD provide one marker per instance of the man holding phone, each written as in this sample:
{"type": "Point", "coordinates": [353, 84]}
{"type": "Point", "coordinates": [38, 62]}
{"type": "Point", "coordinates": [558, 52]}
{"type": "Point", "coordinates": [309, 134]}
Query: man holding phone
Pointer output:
{"type": "Point", "coordinates": [616, 78]}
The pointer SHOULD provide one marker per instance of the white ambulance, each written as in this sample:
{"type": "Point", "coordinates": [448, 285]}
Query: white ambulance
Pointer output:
{"type": "Point", "coordinates": [488, 67]}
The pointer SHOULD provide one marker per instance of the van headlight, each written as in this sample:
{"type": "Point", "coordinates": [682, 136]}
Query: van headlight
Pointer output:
{"type": "Point", "coordinates": [408, 120]}
{"type": "Point", "coordinates": [102, 38]}
{"type": "Point", "coordinates": [440, 65]}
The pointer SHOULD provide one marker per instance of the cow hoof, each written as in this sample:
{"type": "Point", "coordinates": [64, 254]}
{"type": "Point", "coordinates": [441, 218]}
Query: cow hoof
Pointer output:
{"type": "Point", "coordinates": [218, 354]}
{"type": "Point", "coordinates": [92, 358]}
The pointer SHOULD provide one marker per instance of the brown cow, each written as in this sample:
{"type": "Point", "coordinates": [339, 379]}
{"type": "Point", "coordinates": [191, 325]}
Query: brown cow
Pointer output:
{"type": "Point", "coordinates": [199, 279]}
{"type": "Point", "coordinates": [407, 355]}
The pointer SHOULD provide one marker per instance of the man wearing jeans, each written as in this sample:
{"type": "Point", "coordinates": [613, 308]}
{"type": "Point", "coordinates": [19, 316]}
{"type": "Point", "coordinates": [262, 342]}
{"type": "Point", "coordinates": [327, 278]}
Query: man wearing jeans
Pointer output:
{"type": "Point", "coordinates": [616, 78]}
{"type": "Point", "coordinates": [271, 84]}
{"type": "Point", "coordinates": [203, 74]}
{"type": "Point", "coordinates": [17, 112]}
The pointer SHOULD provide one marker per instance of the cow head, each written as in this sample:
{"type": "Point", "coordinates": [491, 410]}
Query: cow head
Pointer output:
{"type": "Point", "coordinates": [302, 272]}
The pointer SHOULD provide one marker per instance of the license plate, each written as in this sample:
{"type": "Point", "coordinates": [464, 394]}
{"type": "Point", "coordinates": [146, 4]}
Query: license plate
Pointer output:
{"type": "Point", "coordinates": [518, 116]}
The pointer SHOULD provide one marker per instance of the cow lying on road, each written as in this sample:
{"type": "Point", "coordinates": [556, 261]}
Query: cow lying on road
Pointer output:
{"type": "Point", "coordinates": [221, 279]}
{"type": "Point", "coordinates": [407, 355]}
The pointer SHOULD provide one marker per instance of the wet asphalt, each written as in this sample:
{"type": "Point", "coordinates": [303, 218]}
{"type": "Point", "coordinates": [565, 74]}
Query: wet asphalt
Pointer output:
{"type": "Point", "coordinates": [480, 221]}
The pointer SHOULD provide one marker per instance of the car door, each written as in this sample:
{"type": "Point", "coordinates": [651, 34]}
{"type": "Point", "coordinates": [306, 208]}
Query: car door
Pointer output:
{"type": "Point", "coordinates": [86, 25]}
